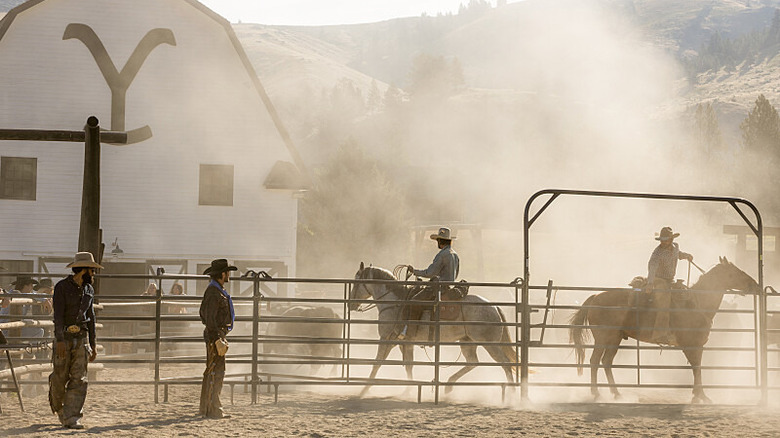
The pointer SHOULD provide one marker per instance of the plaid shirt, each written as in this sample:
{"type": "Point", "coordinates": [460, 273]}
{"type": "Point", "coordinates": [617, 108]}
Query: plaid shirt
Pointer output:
{"type": "Point", "coordinates": [663, 262]}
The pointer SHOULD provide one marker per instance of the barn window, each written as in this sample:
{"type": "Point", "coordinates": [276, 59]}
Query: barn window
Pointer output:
{"type": "Point", "coordinates": [216, 184]}
{"type": "Point", "coordinates": [18, 178]}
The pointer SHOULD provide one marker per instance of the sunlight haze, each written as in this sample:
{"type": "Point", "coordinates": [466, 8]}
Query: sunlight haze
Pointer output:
{"type": "Point", "coordinates": [315, 13]}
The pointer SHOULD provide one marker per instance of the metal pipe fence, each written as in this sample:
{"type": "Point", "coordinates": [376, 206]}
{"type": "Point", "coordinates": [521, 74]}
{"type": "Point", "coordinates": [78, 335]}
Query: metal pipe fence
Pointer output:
{"type": "Point", "coordinates": [272, 346]}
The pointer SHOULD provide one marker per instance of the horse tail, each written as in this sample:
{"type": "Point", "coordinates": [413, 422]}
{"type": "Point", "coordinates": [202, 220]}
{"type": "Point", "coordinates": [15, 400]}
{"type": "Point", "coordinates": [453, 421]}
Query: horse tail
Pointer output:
{"type": "Point", "coordinates": [509, 351]}
{"type": "Point", "coordinates": [578, 334]}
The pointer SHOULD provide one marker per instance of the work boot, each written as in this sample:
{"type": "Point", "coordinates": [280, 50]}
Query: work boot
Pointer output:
{"type": "Point", "coordinates": [74, 424]}
{"type": "Point", "coordinates": [402, 335]}
{"type": "Point", "coordinates": [218, 414]}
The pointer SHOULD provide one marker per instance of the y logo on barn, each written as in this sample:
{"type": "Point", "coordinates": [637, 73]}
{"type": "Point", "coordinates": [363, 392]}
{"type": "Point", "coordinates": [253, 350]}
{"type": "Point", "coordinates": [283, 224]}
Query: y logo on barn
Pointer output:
{"type": "Point", "coordinates": [119, 82]}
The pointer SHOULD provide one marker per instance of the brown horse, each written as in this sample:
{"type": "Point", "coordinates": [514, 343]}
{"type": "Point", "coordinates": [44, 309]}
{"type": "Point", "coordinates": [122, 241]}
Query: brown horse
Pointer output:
{"type": "Point", "coordinates": [614, 316]}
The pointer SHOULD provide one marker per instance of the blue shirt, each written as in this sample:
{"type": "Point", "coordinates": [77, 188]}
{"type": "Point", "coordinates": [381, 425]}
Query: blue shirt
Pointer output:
{"type": "Point", "coordinates": [445, 265]}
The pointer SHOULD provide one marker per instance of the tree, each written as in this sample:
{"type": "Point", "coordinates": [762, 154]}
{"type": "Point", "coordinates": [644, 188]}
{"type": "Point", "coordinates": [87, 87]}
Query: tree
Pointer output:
{"type": "Point", "coordinates": [434, 76]}
{"type": "Point", "coordinates": [773, 36]}
{"type": "Point", "coordinates": [374, 97]}
{"type": "Point", "coordinates": [761, 130]}
{"type": "Point", "coordinates": [355, 213]}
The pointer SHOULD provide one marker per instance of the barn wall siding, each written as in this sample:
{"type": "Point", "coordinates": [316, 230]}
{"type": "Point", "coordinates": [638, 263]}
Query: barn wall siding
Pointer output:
{"type": "Point", "coordinates": [201, 104]}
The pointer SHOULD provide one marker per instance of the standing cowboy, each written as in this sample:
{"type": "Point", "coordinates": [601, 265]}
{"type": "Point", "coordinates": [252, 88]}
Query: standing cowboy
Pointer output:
{"type": "Point", "coordinates": [445, 267]}
{"type": "Point", "coordinates": [218, 315]}
{"type": "Point", "coordinates": [661, 269]}
{"type": "Point", "coordinates": [74, 332]}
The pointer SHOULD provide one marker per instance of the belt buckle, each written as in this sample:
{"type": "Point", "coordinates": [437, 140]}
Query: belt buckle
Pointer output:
{"type": "Point", "coordinates": [73, 329]}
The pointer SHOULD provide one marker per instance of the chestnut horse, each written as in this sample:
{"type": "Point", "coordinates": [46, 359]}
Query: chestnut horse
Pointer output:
{"type": "Point", "coordinates": [615, 315]}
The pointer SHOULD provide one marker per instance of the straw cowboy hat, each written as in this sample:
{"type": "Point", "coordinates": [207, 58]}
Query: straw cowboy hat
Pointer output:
{"type": "Point", "coordinates": [83, 260]}
{"type": "Point", "coordinates": [666, 234]}
{"type": "Point", "coordinates": [218, 266]}
{"type": "Point", "coordinates": [444, 234]}
{"type": "Point", "coordinates": [24, 281]}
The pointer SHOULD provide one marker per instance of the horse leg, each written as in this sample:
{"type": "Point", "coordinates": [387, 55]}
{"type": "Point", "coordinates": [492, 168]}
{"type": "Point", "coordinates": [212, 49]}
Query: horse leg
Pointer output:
{"type": "Point", "coordinates": [606, 361]}
{"type": "Point", "coordinates": [407, 353]}
{"type": "Point", "coordinates": [595, 359]}
{"type": "Point", "coordinates": [470, 354]}
{"type": "Point", "coordinates": [693, 354]}
{"type": "Point", "coordinates": [499, 355]}
{"type": "Point", "coordinates": [382, 351]}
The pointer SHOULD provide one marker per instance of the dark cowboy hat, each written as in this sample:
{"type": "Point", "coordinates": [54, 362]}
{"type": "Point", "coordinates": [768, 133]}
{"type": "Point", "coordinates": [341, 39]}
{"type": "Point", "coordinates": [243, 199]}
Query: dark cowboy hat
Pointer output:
{"type": "Point", "coordinates": [218, 266]}
{"type": "Point", "coordinates": [666, 234]}
{"type": "Point", "coordinates": [24, 281]}
{"type": "Point", "coordinates": [45, 283]}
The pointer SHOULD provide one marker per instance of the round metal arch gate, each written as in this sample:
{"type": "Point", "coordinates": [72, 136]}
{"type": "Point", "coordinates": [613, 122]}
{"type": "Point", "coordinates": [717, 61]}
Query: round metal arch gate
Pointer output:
{"type": "Point", "coordinates": [756, 227]}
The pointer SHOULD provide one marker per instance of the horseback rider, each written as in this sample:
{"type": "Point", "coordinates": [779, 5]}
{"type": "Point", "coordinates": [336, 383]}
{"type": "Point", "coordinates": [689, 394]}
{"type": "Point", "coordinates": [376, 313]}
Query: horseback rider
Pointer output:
{"type": "Point", "coordinates": [445, 267]}
{"type": "Point", "coordinates": [661, 269]}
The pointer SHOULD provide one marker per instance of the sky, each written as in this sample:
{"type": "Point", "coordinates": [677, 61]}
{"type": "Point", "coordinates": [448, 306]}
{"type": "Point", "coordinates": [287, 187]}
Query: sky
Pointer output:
{"type": "Point", "coordinates": [324, 12]}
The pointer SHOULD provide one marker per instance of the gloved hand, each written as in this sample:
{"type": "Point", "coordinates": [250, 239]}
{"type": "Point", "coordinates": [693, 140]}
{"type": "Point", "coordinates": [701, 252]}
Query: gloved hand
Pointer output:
{"type": "Point", "coordinates": [690, 257]}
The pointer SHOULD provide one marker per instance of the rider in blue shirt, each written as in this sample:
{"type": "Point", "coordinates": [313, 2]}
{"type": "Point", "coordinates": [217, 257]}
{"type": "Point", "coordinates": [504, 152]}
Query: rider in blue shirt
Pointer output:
{"type": "Point", "coordinates": [445, 267]}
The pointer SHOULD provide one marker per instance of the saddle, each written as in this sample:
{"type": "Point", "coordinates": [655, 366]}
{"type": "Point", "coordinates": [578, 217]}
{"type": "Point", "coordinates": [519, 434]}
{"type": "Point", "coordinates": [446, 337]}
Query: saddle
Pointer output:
{"type": "Point", "coordinates": [449, 307]}
{"type": "Point", "coordinates": [646, 305]}
{"type": "Point", "coordinates": [681, 296]}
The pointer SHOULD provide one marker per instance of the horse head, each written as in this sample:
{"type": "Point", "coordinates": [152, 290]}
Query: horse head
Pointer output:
{"type": "Point", "coordinates": [730, 277]}
{"type": "Point", "coordinates": [360, 290]}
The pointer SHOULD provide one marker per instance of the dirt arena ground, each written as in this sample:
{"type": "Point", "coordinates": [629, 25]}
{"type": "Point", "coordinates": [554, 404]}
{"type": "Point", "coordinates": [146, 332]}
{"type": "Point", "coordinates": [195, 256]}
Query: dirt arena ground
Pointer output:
{"type": "Point", "coordinates": [130, 411]}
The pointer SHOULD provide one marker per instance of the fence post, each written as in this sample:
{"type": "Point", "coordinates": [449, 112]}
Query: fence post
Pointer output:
{"type": "Point", "coordinates": [157, 331]}
{"type": "Point", "coordinates": [524, 339]}
{"type": "Point", "coordinates": [256, 302]}
{"type": "Point", "coordinates": [348, 322]}
{"type": "Point", "coordinates": [437, 346]}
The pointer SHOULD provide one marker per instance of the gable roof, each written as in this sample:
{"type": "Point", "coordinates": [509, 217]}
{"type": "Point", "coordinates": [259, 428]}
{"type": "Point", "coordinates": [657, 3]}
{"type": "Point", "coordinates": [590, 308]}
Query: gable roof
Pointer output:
{"type": "Point", "coordinates": [5, 24]}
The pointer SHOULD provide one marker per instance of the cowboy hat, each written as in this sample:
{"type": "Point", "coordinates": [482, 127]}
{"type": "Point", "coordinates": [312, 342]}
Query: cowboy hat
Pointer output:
{"type": "Point", "coordinates": [24, 281]}
{"type": "Point", "coordinates": [45, 283]}
{"type": "Point", "coordinates": [444, 234]}
{"type": "Point", "coordinates": [666, 234]}
{"type": "Point", "coordinates": [218, 266]}
{"type": "Point", "coordinates": [83, 260]}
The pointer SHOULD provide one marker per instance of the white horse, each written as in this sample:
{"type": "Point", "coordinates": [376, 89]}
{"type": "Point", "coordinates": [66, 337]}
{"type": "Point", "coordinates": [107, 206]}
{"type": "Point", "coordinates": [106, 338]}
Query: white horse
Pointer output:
{"type": "Point", "coordinates": [393, 314]}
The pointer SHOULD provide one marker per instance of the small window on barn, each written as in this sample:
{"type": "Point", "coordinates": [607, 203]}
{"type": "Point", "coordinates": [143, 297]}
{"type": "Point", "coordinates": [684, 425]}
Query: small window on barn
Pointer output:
{"type": "Point", "coordinates": [216, 184]}
{"type": "Point", "coordinates": [18, 178]}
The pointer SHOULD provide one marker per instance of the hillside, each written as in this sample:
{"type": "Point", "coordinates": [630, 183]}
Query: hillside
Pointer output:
{"type": "Point", "coordinates": [501, 49]}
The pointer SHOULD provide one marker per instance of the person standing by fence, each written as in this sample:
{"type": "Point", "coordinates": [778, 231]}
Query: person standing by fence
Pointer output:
{"type": "Point", "coordinates": [218, 315]}
{"type": "Point", "coordinates": [74, 332]}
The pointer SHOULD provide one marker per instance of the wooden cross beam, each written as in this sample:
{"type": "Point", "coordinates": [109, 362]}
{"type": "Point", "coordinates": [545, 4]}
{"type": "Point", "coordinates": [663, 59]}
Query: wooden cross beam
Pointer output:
{"type": "Point", "coordinates": [89, 228]}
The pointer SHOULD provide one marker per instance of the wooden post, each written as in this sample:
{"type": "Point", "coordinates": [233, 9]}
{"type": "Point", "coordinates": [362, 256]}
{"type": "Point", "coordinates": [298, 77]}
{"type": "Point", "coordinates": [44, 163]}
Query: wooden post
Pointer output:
{"type": "Point", "coordinates": [89, 234]}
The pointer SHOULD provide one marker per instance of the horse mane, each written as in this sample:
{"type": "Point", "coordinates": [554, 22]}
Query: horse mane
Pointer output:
{"type": "Point", "coordinates": [383, 274]}
{"type": "Point", "coordinates": [709, 274]}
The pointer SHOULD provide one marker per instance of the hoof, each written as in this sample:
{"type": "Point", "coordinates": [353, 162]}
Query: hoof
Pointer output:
{"type": "Point", "coordinates": [618, 396]}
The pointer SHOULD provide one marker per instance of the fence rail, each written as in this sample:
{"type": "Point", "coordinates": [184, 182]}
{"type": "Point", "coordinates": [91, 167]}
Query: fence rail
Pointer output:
{"type": "Point", "coordinates": [145, 330]}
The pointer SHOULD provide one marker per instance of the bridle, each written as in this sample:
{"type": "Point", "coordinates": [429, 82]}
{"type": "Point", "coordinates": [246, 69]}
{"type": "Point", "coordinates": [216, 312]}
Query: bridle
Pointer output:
{"type": "Point", "coordinates": [368, 307]}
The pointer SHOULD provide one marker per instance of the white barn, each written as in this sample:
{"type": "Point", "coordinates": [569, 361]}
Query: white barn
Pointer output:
{"type": "Point", "coordinates": [217, 177]}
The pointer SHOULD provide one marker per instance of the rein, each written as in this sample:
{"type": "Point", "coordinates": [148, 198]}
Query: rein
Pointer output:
{"type": "Point", "coordinates": [361, 308]}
